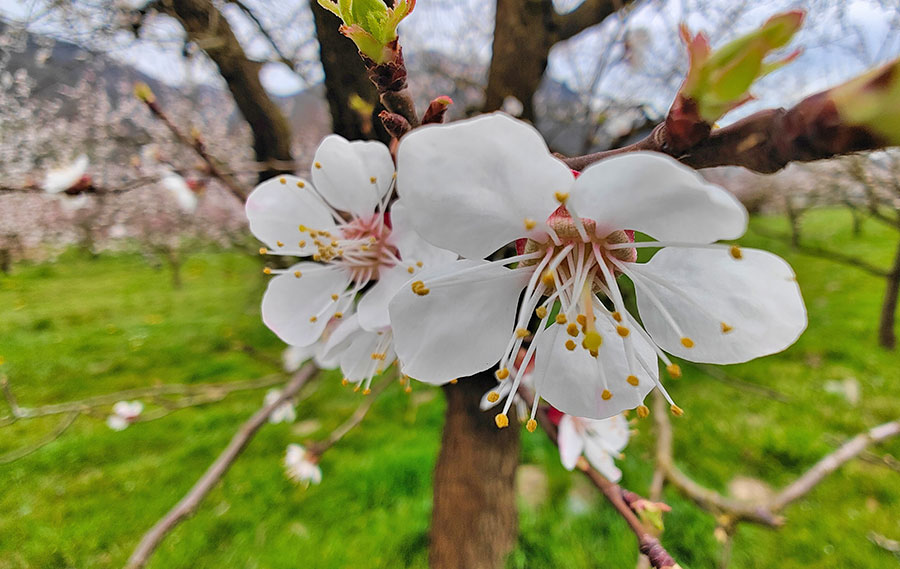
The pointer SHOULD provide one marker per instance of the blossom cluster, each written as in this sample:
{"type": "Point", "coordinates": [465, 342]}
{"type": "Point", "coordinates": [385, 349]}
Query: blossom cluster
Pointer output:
{"type": "Point", "coordinates": [481, 250]}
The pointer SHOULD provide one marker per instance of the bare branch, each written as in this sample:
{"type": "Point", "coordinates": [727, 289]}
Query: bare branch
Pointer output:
{"type": "Point", "coordinates": [23, 452]}
{"type": "Point", "coordinates": [649, 545]}
{"type": "Point", "coordinates": [189, 503]}
{"type": "Point", "coordinates": [85, 405]}
{"type": "Point", "coordinates": [827, 254]}
{"type": "Point", "coordinates": [352, 422]}
{"type": "Point", "coordinates": [765, 513]}
{"type": "Point", "coordinates": [589, 13]}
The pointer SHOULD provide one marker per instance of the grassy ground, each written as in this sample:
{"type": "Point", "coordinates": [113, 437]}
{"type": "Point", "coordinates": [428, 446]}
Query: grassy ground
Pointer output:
{"type": "Point", "coordinates": [84, 327]}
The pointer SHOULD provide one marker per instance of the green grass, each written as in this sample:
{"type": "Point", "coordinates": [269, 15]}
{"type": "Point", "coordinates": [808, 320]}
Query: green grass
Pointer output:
{"type": "Point", "coordinates": [83, 327]}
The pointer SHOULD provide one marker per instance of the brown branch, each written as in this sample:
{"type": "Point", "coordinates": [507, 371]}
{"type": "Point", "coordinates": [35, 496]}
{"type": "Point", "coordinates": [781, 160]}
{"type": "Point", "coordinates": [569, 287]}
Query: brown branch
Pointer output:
{"type": "Point", "coordinates": [189, 503]}
{"type": "Point", "coordinates": [207, 27]}
{"type": "Point", "coordinates": [265, 33]}
{"type": "Point", "coordinates": [832, 462]}
{"type": "Point", "coordinates": [765, 141]}
{"type": "Point", "coordinates": [57, 432]}
{"type": "Point", "coordinates": [765, 513]}
{"type": "Point", "coordinates": [194, 142]}
{"type": "Point", "coordinates": [589, 13]}
{"type": "Point", "coordinates": [352, 422]}
{"type": "Point", "coordinates": [648, 544]}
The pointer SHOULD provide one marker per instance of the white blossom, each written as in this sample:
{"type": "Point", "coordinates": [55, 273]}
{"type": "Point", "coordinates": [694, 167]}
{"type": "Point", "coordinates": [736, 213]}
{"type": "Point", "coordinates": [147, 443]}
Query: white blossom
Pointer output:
{"type": "Point", "coordinates": [599, 440]}
{"type": "Point", "coordinates": [123, 414]}
{"type": "Point", "coordinates": [284, 413]}
{"type": "Point", "coordinates": [299, 466]}
{"type": "Point", "coordinates": [475, 186]}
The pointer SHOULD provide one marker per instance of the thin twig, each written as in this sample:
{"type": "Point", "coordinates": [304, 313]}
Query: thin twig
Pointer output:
{"type": "Point", "coordinates": [194, 142]}
{"type": "Point", "coordinates": [649, 544]}
{"type": "Point", "coordinates": [763, 512]}
{"type": "Point", "coordinates": [352, 422]}
{"type": "Point", "coordinates": [23, 452]}
{"type": "Point", "coordinates": [84, 405]}
{"type": "Point", "coordinates": [189, 503]}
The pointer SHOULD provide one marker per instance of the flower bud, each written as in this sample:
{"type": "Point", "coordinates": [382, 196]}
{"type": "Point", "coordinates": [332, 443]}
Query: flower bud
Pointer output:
{"type": "Point", "coordinates": [872, 101]}
{"type": "Point", "coordinates": [719, 81]}
{"type": "Point", "coordinates": [370, 24]}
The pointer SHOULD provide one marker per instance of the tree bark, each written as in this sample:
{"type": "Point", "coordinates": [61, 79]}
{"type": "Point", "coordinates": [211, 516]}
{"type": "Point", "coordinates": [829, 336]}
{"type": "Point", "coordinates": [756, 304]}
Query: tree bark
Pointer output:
{"type": "Point", "coordinates": [345, 76]}
{"type": "Point", "coordinates": [475, 519]}
{"type": "Point", "coordinates": [886, 336]}
{"type": "Point", "coordinates": [207, 27]}
{"type": "Point", "coordinates": [524, 32]}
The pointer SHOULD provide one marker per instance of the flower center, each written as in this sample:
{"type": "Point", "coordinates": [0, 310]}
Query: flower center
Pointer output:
{"type": "Point", "coordinates": [362, 247]}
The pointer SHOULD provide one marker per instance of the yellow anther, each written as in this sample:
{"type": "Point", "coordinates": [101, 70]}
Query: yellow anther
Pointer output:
{"type": "Point", "coordinates": [561, 197]}
{"type": "Point", "coordinates": [302, 228]}
{"type": "Point", "coordinates": [410, 270]}
{"type": "Point", "coordinates": [300, 184]}
{"type": "Point", "coordinates": [338, 315]}
{"type": "Point", "coordinates": [367, 391]}
{"type": "Point", "coordinates": [418, 287]}
{"type": "Point", "coordinates": [267, 271]}
{"type": "Point", "coordinates": [301, 243]}
{"type": "Point", "coordinates": [674, 370]}
{"type": "Point", "coordinates": [345, 381]}
{"type": "Point", "coordinates": [522, 333]}
{"type": "Point", "coordinates": [279, 243]}
{"type": "Point", "coordinates": [592, 341]}
{"type": "Point", "coordinates": [454, 381]}
{"type": "Point", "coordinates": [373, 179]}
{"type": "Point", "coordinates": [560, 318]}
{"type": "Point", "coordinates": [606, 395]}
{"type": "Point", "coordinates": [355, 389]}
{"type": "Point", "coordinates": [633, 380]}
{"type": "Point", "coordinates": [372, 239]}
{"type": "Point", "coordinates": [570, 345]}
{"type": "Point", "coordinates": [643, 411]}
{"type": "Point", "coordinates": [364, 247]}
{"type": "Point", "coordinates": [334, 243]}
{"type": "Point", "coordinates": [541, 311]}
{"type": "Point", "coordinates": [616, 316]}
{"type": "Point", "coordinates": [283, 180]}
{"type": "Point", "coordinates": [313, 232]}
{"type": "Point", "coordinates": [313, 318]}
{"type": "Point", "coordinates": [335, 296]}
{"type": "Point", "coordinates": [531, 425]}
{"type": "Point", "coordinates": [572, 329]}
{"type": "Point", "coordinates": [408, 389]}
{"type": "Point", "coordinates": [501, 420]}
{"type": "Point", "coordinates": [581, 319]}
{"type": "Point", "coordinates": [726, 328]}
{"type": "Point", "coordinates": [502, 374]}
{"type": "Point", "coordinates": [594, 353]}
{"type": "Point", "coordinates": [493, 397]}
{"type": "Point", "coordinates": [298, 274]}
{"type": "Point", "coordinates": [530, 223]}
{"type": "Point", "coordinates": [622, 331]}
{"type": "Point", "coordinates": [736, 252]}
{"type": "Point", "coordinates": [419, 264]}
{"type": "Point", "coordinates": [263, 250]}
{"type": "Point", "coordinates": [676, 410]}
{"type": "Point", "coordinates": [687, 342]}
{"type": "Point", "coordinates": [317, 257]}
{"type": "Point", "coordinates": [318, 165]}
{"type": "Point", "coordinates": [374, 355]}
{"type": "Point", "coordinates": [547, 278]}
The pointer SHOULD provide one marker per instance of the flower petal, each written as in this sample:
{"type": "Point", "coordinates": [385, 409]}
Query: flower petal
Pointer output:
{"type": "Point", "coordinates": [290, 303]}
{"type": "Point", "coordinates": [478, 184]}
{"type": "Point", "coordinates": [597, 456]}
{"type": "Point", "coordinates": [614, 432]}
{"type": "Point", "coordinates": [656, 195]}
{"type": "Point", "coordinates": [570, 442]}
{"type": "Point", "coordinates": [417, 255]}
{"type": "Point", "coordinates": [434, 334]}
{"type": "Point", "coordinates": [358, 362]}
{"type": "Point", "coordinates": [572, 382]}
{"type": "Point", "coordinates": [733, 310]}
{"type": "Point", "coordinates": [276, 209]}
{"type": "Point", "coordinates": [352, 176]}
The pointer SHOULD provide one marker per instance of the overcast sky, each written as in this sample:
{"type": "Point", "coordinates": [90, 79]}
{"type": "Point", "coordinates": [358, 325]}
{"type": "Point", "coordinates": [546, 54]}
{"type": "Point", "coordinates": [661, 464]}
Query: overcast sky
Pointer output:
{"type": "Point", "coordinates": [839, 40]}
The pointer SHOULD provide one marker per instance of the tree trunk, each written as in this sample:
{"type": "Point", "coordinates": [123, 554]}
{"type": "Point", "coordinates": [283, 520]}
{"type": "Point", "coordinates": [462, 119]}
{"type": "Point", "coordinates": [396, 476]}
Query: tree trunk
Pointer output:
{"type": "Point", "coordinates": [475, 519]}
{"type": "Point", "coordinates": [524, 32]}
{"type": "Point", "coordinates": [207, 27]}
{"type": "Point", "coordinates": [345, 76]}
{"type": "Point", "coordinates": [886, 337]}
